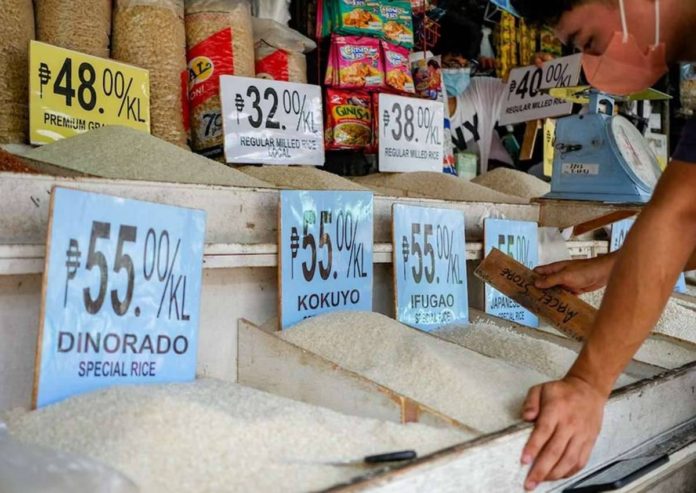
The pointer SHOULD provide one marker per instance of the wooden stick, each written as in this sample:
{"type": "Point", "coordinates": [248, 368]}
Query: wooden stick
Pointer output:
{"type": "Point", "coordinates": [560, 308]}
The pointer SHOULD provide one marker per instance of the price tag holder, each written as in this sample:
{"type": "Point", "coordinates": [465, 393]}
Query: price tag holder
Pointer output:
{"type": "Point", "coordinates": [71, 93]}
{"type": "Point", "coordinates": [429, 267]}
{"type": "Point", "coordinates": [271, 122]}
{"type": "Point", "coordinates": [121, 294]}
{"type": "Point", "coordinates": [520, 240]}
{"type": "Point", "coordinates": [325, 253]}
{"type": "Point", "coordinates": [411, 134]}
{"type": "Point", "coordinates": [619, 231]}
{"type": "Point", "coordinates": [527, 90]}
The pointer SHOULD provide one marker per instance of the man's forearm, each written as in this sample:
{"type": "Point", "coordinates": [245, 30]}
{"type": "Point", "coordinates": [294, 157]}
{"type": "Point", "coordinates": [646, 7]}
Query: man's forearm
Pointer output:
{"type": "Point", "coordinates": [642, 279]}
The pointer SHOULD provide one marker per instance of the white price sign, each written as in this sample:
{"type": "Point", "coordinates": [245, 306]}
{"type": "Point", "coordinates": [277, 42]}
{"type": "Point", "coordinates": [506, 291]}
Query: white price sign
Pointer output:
{"type": "Point", "coordinates": [527, 90]}
{"type": "Point", "coordinates": [271, 122]}
{"type": "Point", "coordinates": [411, 134]}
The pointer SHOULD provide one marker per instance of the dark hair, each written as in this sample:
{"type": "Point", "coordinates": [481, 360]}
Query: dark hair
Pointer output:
{"type": "Point", "coordinates": [460, 36]}
{"type": "Point", "coordinates": [546, 12]}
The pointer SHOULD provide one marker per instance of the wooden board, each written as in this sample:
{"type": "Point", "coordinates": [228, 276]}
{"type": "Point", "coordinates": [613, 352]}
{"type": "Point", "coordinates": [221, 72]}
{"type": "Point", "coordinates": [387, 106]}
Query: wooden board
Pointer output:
{"type": "Point", "coordinates": [269, 363]}
{"type": "Point", "coordinates": [600, 222]}
{"type": "Point", "coordinates": [566, 312]}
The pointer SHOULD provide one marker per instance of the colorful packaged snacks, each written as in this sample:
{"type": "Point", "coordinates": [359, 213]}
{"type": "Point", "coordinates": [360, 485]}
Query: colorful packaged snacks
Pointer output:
{"type": "Point", "coordinates": [397, 68]}
{"type": "Point", "coordinates": [355, 63]}
{"type": "Point", "coordinates": [390, 20]}
{"type": "Point", "coordinates": [397, 17]}
{"type": "Point", "coordinates": [349, 119]}
{"type": "Point", "coordinates": [358, 17]}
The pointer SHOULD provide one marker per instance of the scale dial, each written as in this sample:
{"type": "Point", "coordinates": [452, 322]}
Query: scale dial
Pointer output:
{"type": "Point", "coordinates": [635, 152]}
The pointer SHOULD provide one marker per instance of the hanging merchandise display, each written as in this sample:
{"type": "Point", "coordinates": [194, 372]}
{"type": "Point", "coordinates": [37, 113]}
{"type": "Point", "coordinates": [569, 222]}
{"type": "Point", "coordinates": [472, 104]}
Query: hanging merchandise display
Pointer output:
{"type": "Point", "coordinates": [397, 68]}
{"type": "Point", "coordinates": [79, 25]}
{"type": "Point", "coordinates": [355, 63]}
{"type": "Point", "coordinates": [390, 20]}
{"type": "Point", "coordinates": [220, 41]}
{"type": "Point", "coordinates": [507, 45]}
{"type": "Point", "coordinates": [280, 52]}
{"type": "Point", "coordinates": [150, 34]}
{"type": "Point", "coordinates": [349, 119]}
{"type": "Point", "coordinates": [16, 30]}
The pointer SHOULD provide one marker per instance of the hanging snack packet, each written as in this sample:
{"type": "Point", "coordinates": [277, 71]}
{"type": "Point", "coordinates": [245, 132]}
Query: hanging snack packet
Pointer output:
{"type": "Point", "coordinates": [349, 119]}
{"type": "Point", "coordinates": [355, 63]}
{"type": "Point", "coordinates": [397, 68]}
{"type": "Point", "coordinates": [358, 17]}
{"type": "Point", "coordinates": [397, 17]}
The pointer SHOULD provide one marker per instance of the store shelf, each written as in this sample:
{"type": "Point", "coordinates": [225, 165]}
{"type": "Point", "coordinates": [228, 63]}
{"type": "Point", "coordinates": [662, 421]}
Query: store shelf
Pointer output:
{"type": "Point", "coordinates": [29, 259]}
{"type": "Point", "coordinates": [234, 215]}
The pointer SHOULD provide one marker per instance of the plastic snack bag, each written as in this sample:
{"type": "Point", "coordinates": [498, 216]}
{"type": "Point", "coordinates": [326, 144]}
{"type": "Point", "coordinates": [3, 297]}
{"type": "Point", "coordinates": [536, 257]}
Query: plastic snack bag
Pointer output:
{"type": "Point", "coordinates": [397, 69]}
{"type": "Point", "coordinates": [349, 119]}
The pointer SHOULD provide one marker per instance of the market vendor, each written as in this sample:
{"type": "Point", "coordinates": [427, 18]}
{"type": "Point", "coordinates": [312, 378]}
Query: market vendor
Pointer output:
{"type": "Point", "coordinates": [627, 45]}
{"type": "Point", "coordinates": [459, 48]}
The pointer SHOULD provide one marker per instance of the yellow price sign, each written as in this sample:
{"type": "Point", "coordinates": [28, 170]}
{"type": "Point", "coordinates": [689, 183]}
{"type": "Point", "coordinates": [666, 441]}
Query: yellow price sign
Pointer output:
{"type": "Point", "coordinates": [549, 142]}
{"type": "Point", "coordinates": [71, 93]}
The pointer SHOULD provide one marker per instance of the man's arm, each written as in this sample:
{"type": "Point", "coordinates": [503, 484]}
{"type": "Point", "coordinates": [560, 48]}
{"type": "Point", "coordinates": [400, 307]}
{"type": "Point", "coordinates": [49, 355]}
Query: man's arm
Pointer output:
{"type": "Point", "coordinates": [568, 413]}
{"type": "Point", "coordinates": [583, 276]}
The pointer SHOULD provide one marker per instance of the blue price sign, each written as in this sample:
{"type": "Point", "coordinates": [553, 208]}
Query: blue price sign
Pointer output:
{"type": "Point", "coordinates": [121, 294]}
{"type": "Point", "coordinates": [619, 231]}
{"type": "Point", "coordinates": [429, 267]}
{"type": "Point", "coordinates": [520, 240]}
{"type": "Point", "coordinates": [325, 253]}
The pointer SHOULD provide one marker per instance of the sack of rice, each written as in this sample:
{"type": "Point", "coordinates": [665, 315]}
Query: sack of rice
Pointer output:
{"type": "Point", "coordinates": [150, 34]}
{"type": "Point", "coordinates": [220, 41]}
{"type": "Point", "coordinates": [16, 30]}
{"type": "Point", "coordinates": [279, 52]}
{"type": "Point", "coordinates": [80, 25]}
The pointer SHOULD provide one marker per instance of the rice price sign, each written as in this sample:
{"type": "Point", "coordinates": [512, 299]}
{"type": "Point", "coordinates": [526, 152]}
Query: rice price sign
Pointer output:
{"type": "Point", "coordinates": [325, 253]}
{"type": "Point", "coordinates": [71, 93]}
{"type": "Point", "coordinates": [411, 134]}
{"type": "Point", "coordinates": [527, 90]}
{"type": "Point", "coordinates": [619, 231]}
{"type": "Point", "coordinates": [271, 122]}
{"type": "Point", "coordinates": [121, 294]}
{"type": "Point", "coordinates": [429, 266]}
{"type": "Point", "coordinates": [520, 240]}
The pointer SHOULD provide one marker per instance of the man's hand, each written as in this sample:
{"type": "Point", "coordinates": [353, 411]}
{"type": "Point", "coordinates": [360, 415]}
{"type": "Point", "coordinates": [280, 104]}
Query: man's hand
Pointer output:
{"type": "Point", "coordinates": [568, 415]}
{"type": "Point", "coordinates": [577, 276]}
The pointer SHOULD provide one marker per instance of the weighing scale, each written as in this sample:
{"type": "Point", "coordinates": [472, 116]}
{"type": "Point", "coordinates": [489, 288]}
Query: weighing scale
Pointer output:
{"type": "Point", "coordinates": [599, 156]}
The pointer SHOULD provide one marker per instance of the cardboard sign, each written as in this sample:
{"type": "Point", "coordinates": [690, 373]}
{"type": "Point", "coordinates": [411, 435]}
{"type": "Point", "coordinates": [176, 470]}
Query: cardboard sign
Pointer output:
{"type": "Point", "coordinates": [568, 313]}
{"type": "Point", "coordinates": [121, 294]}
{"type": "Point", "coordinates": [520, 240]}
{"type": "Point", "coordinates": [411, 134]}
{"type": "Point", "coordinates": [528, 88]}
{"type": "Point", "coordinates": [325, 253]}
{"type": "Point", "coordinates": [271, 122]}
{"type": "Point", "coordinates": [71, 93]}
{"type": "Point", "coordinates": [429, 266]}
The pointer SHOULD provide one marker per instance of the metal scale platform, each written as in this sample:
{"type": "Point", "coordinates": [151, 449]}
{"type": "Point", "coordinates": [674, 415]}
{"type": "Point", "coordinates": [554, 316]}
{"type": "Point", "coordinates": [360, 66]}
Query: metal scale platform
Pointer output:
{"type": "Point", "coordinates": [602, 157]}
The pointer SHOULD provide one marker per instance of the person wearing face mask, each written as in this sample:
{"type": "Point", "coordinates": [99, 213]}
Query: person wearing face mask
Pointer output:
{"type": "Point", "coordinates": [627, 45]}
{"type": "Point", "coordinates": [459, 44]}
